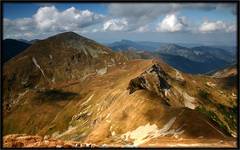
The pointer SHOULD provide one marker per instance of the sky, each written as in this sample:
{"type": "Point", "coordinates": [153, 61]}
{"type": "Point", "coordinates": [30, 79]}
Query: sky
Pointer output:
{"type": "Point", "coordinates": [202, 23]}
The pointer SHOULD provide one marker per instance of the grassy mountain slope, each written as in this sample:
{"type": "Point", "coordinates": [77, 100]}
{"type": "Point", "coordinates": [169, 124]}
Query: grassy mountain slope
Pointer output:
{"type": "Point", "coordinates": [124, 102]}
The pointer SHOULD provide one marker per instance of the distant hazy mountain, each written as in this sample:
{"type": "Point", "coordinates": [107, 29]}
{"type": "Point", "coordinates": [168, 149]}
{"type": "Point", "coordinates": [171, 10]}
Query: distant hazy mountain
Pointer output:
{"type": "Point", "coordinates": [28, 41]}
{"type": "Point", "coordinates": [195, 60]}
{"type": "Point", "coordinates": [191, 66]}
{"type": "Point", "coordinates": [127, 44]}
{"type": "Point", "coordinates": [231, 49]}
{"type": "Point", "coordinates": [189, 45]}
{"type": "Point", "coordinates": [33, 41]}
{"type": "Point", "coordinates": [217, 52]}
{"type": "Point", "coordinates": [12, 47]}
{"type": "Point", "coordinates": [152, 46]}
{"type": "Point", "coordinates": [23, 40]}
{"type": "Point", "coordinates": [198, 59]}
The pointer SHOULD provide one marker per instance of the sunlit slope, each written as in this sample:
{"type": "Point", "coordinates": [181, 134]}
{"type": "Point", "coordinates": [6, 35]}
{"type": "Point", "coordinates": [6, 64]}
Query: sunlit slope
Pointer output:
{"type": "Point", "coordinates": [90, 94]}
{"type": "Point", "coordinates": [104, 112]}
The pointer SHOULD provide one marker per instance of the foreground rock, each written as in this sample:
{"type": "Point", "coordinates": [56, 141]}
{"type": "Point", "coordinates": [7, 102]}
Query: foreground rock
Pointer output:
{"type": "Point", "coordinates": [23, 140]}
{"type": "Point", "coordinates": [35, 141]}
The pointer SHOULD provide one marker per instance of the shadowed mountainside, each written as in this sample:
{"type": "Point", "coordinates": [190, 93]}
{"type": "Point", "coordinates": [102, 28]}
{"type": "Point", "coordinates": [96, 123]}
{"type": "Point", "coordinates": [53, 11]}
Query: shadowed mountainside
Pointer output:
{"type": "Point", "coordinates": [12, 47]}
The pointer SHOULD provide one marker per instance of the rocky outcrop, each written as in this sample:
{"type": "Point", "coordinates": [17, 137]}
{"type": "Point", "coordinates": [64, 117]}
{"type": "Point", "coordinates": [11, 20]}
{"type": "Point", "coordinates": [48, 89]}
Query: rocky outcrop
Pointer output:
{"type": "Point", "coordinates": [35, 141]}
{"type": "Point", "coordinates": [155, 80]}
{"type": "Point", "coordinates": [160, 81]}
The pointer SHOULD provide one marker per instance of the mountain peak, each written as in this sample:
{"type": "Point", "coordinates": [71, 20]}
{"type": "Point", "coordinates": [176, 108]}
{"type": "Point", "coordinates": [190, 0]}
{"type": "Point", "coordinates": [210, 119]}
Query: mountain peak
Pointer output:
{"type": "Point", "coordinates": [69, 36]}
{"type": "Point", "coordinates": [70, 33]}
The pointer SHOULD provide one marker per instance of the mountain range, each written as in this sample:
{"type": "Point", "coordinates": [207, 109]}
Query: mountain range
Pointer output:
{"type": "Point", "coordinates": [70, 89]}
{"type": "Point", "coordinates": [186, 59]}
{"type": "Point", "coordinates": [190, 60]}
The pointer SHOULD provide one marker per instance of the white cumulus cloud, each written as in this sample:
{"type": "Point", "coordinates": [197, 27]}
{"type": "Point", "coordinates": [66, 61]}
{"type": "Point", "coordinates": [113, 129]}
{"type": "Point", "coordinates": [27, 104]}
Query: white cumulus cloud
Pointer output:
{"type": "Point", "coordinates": [212, 26]}
{"type": "Point", "coordinates": [18, 27]}
{"type": "Point", "coordinates": [49, 19]}
{"type": "Point", "coordinates": [141, 14]}
{"type": "Point", "coordinates": [131, 17]}
{"type": "Point", "coordinates": [143, 29]}
{"type": "Point", "coordinates": [115, 24]}
{"type": "Point", "coordinates": [171, 23]}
